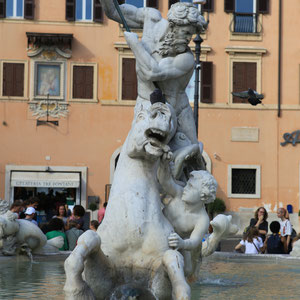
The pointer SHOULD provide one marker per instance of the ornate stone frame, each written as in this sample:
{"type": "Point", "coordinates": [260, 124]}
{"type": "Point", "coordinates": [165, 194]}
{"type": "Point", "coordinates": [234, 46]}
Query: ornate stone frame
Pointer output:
{"type": "Point", "coordinates": [33, 79]}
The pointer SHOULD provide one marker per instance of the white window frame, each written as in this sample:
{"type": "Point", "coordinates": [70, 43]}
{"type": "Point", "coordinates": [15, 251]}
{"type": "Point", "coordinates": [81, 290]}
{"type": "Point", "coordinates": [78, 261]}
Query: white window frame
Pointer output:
{"type": "Point", "coordinates": [95, 84]}
{"type": "Point", "coordinates": [245, 54]}
{"type": "Point", "coordinates": [84, 12]}
{"type": "Point", "coordinates": [34, 65]}
{"type": "Point", "coordinates": [257, 183]}
{"type": "Point", "coordinates": [24, 97]}
{"type": "Point", "coordinates": [14, 16]}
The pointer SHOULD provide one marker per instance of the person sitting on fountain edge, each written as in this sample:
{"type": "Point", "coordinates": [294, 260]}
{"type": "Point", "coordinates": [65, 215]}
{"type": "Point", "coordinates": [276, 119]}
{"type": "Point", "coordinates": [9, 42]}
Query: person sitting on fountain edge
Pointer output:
{"type": "Point", "coordinates": [276, 244]}
{"type": "Point", "coordinates": [186, 210]}
{"type": "Point", "coordinates": [260, 222]}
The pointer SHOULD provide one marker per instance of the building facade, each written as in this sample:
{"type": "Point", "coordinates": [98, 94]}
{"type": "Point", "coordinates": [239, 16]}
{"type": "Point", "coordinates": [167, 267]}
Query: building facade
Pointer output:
{"type": "Point", "coordinates": [68, 84]}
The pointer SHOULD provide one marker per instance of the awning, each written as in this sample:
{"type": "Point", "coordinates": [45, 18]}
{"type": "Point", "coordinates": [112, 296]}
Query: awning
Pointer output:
{"type": "Point", "coordinates": [45, 179]}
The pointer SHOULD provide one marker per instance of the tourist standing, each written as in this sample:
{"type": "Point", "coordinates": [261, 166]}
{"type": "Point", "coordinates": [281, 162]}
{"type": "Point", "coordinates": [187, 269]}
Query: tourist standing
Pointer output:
{"type": "Point", "coordinates": [260, 222]}
{"type": "Point", "coordinates": [73, 234]}
{"type": "Point", "coordinates": [101, 212]}
{"type": "Point", "coordinates": [17, 207]}
{"type": "Point", "coordinates": [285, 226]}
{"type": "Point", "coordinates": [29, 215]}
{"type": "Point", "coordinates": [61, 213]}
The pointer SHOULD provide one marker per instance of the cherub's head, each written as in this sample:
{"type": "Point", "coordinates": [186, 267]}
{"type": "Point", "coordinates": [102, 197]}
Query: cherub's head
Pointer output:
{"type": "Point", "coordinates": [201, 187]}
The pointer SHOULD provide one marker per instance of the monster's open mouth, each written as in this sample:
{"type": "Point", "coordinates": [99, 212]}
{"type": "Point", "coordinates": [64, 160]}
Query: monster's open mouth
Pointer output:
{"type": "Point", "coordinates": [156, 135]}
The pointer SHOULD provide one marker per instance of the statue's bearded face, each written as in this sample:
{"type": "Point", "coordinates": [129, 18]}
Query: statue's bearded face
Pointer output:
{"type": "Point", "coordinates": [176, 40]}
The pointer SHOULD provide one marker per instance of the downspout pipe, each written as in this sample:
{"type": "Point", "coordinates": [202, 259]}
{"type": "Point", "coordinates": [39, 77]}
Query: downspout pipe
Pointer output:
{"type": "Point", "coordinates": [279, 58]}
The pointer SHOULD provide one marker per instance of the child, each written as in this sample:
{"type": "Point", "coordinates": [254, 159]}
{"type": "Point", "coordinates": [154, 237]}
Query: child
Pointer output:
{"type": "Point", "coordinates": [186, 210]}
{"type": "Point", "coordinates": [275, 243]}
{"type": "Point", "coordinates": [73, 233]}
{"type": "Point", "coordinates": [285, 226]}
{"type": "Point", "coordinates": [94, 225]}
{"type": "Point", "coordinates": [253, 242]}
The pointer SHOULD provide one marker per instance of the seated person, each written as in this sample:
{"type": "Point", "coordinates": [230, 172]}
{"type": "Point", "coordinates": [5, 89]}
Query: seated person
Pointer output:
{"type": "Point", "coordinates": [186, 210]}
{"type": "Point", "coordinates": [56, 228]}
{"type": "Point", "coordinates": [29, 215]}
{"type": "Point", "coordinates": [94, 225]}
{"type": "Point", "coordinates": [253, 243]}
{"type": "Point", "coordinates": [260, 222]}
{"type": "Point", "coordinates": [73, 233]}
{"type": "Point", "coordinates": [275, 244]}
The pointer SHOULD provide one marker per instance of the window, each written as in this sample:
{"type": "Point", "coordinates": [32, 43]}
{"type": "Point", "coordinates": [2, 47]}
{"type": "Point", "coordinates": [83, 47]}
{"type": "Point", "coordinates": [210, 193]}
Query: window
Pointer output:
{"type": "Point", "coordinates": [129, 79]}
{"type": "Point", "coordinates": [141, 3]}
{"type": "Point", "coordinates": [84, 10]}
{"type": "Point", "coordinates": [84, 82]}
{"type": "Point", "coordinates": [245, 14]}
{"type": "Point", "coordinates": [17, 9]}
{"type": "Point", "coordinates": [244, 181]}
{"type": "Point", "coordinates": [48, 80]}
{"type": "Point", "coordinates": [244, 77]}
{"type": "Point", "coordinates": [205, 86]}
{"type": "Point", "coordinates": [13, 79]}
{"type": "Point", "coordinates": [245, 70]}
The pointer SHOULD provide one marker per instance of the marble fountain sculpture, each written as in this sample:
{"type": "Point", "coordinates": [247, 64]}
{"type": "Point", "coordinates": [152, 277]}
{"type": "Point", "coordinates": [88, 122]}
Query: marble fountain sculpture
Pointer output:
{"type": "Point", "coordinates": [146, 248]}
{"type": "Point", "coordinates": [22, 236]}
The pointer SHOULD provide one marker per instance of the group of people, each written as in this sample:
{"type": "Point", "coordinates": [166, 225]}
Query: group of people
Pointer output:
{"type": "Point", "coordinates": [69, 225]}
{"type": "Point", "coordinates": [280, 241]}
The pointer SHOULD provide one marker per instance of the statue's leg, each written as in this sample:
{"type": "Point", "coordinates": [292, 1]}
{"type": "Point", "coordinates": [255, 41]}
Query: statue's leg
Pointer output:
{"type": "Point", "coordinates": [174, 264]}
{"type": "Point", "coordinates": [88, 257]}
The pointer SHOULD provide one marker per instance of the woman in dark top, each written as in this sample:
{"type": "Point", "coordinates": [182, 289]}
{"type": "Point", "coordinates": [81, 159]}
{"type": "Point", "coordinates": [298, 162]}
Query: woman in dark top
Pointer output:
{"type": "Point", "coordinates": [260, 221]}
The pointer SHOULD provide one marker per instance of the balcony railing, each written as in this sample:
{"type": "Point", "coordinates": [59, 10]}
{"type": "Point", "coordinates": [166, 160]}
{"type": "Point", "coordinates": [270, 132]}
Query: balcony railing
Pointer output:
{"type": "Point", "coordinates": [245, 23]}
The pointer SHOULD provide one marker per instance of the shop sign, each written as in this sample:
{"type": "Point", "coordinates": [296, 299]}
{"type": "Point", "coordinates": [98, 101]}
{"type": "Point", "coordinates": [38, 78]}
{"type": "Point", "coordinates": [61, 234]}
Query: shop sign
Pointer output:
{"type": "Point", "coordinates": [50, 184]}
{"type": "Point", "coordinates": [291, 138]}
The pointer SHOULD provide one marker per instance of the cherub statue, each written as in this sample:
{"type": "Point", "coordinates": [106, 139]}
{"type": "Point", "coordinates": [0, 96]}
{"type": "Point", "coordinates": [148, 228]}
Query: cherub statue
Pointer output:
{"type": "Point", "coordinates": [186, 211]}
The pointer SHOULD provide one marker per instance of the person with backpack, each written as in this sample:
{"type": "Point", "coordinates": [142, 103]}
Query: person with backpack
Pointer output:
{"type": "Point", "coordinates": [253, 243]}
{"type": "Point", "coordinates": [285, 227]}
{"type": "Point", "coordinates": [276, 244]}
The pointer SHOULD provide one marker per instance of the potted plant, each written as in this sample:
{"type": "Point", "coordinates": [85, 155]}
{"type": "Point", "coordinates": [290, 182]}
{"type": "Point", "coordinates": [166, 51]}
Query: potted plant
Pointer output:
{"type": "Point", "coordinates": [216, 207]}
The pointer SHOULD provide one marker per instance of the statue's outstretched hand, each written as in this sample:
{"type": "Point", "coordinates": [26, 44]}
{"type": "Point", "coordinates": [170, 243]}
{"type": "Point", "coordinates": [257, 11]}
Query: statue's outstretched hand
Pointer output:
{"type": "Point", "coordinates": [175, 241]}
{"type": "Point", "coordinates": [131, 38]}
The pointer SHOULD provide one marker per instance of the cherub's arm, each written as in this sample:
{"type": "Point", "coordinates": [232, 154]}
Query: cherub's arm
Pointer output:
{"type": "Point", "coordinates": [167, 68]}
{"type": "Point", "coordinates": [196, 237]}
{"type": "Point", "coordinates": [134, 16]}
{"type": "Point", "coordinates": [166, 179]}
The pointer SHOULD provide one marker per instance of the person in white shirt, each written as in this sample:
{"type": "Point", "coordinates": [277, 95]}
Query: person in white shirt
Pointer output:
{"type": "Point", "coordinates": [253, 243]}
{"type": "Point", "coordinates": [285, 225]}
{"type": "Point", "coordinates": [29, 213]}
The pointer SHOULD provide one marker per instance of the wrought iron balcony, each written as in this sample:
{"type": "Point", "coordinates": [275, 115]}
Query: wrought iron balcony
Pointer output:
{"type": "Point", "coordinates": [245, 23]}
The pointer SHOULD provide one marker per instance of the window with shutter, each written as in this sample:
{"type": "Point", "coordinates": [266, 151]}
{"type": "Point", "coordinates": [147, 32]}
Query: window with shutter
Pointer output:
{"type": "Point", "coordinates": [152, 3]}
{"type": "Point", "coordinates": [263, 6]}
{"type": "Point", "coordinates": [229, 6]}
{"type": "Point", "coordinates": [206, 81]}
{"type": "Point", "coordinates": [2, 8]}
{"type": "Point", "coordinates": [129, 80]}
{"type": "Point", "coordinates": [98, 13]}
{"type": "Point", "coordinates": [244, 77]}
{"type": "Point", "coordinates": [83, 82]}
{"type": "Point", "coordinates": [208, 6]}
{"type": "Point", "coordinates": [70, 10]}
{"type": "Point", "coordinates": [13, 79]}
{"type": "Point", "coordinates": [29, 9]}
{"type": "Point", "coordinates": [17, 8]}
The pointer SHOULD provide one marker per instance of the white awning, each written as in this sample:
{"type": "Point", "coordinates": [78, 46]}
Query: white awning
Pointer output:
{"type": "Point", "coordinates": [45, 179]}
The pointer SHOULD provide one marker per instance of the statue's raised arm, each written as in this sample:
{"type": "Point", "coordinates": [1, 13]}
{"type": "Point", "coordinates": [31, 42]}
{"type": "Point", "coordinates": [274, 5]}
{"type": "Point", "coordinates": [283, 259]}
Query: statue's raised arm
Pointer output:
{"type": "Point", "coordinates": [134, 16]}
